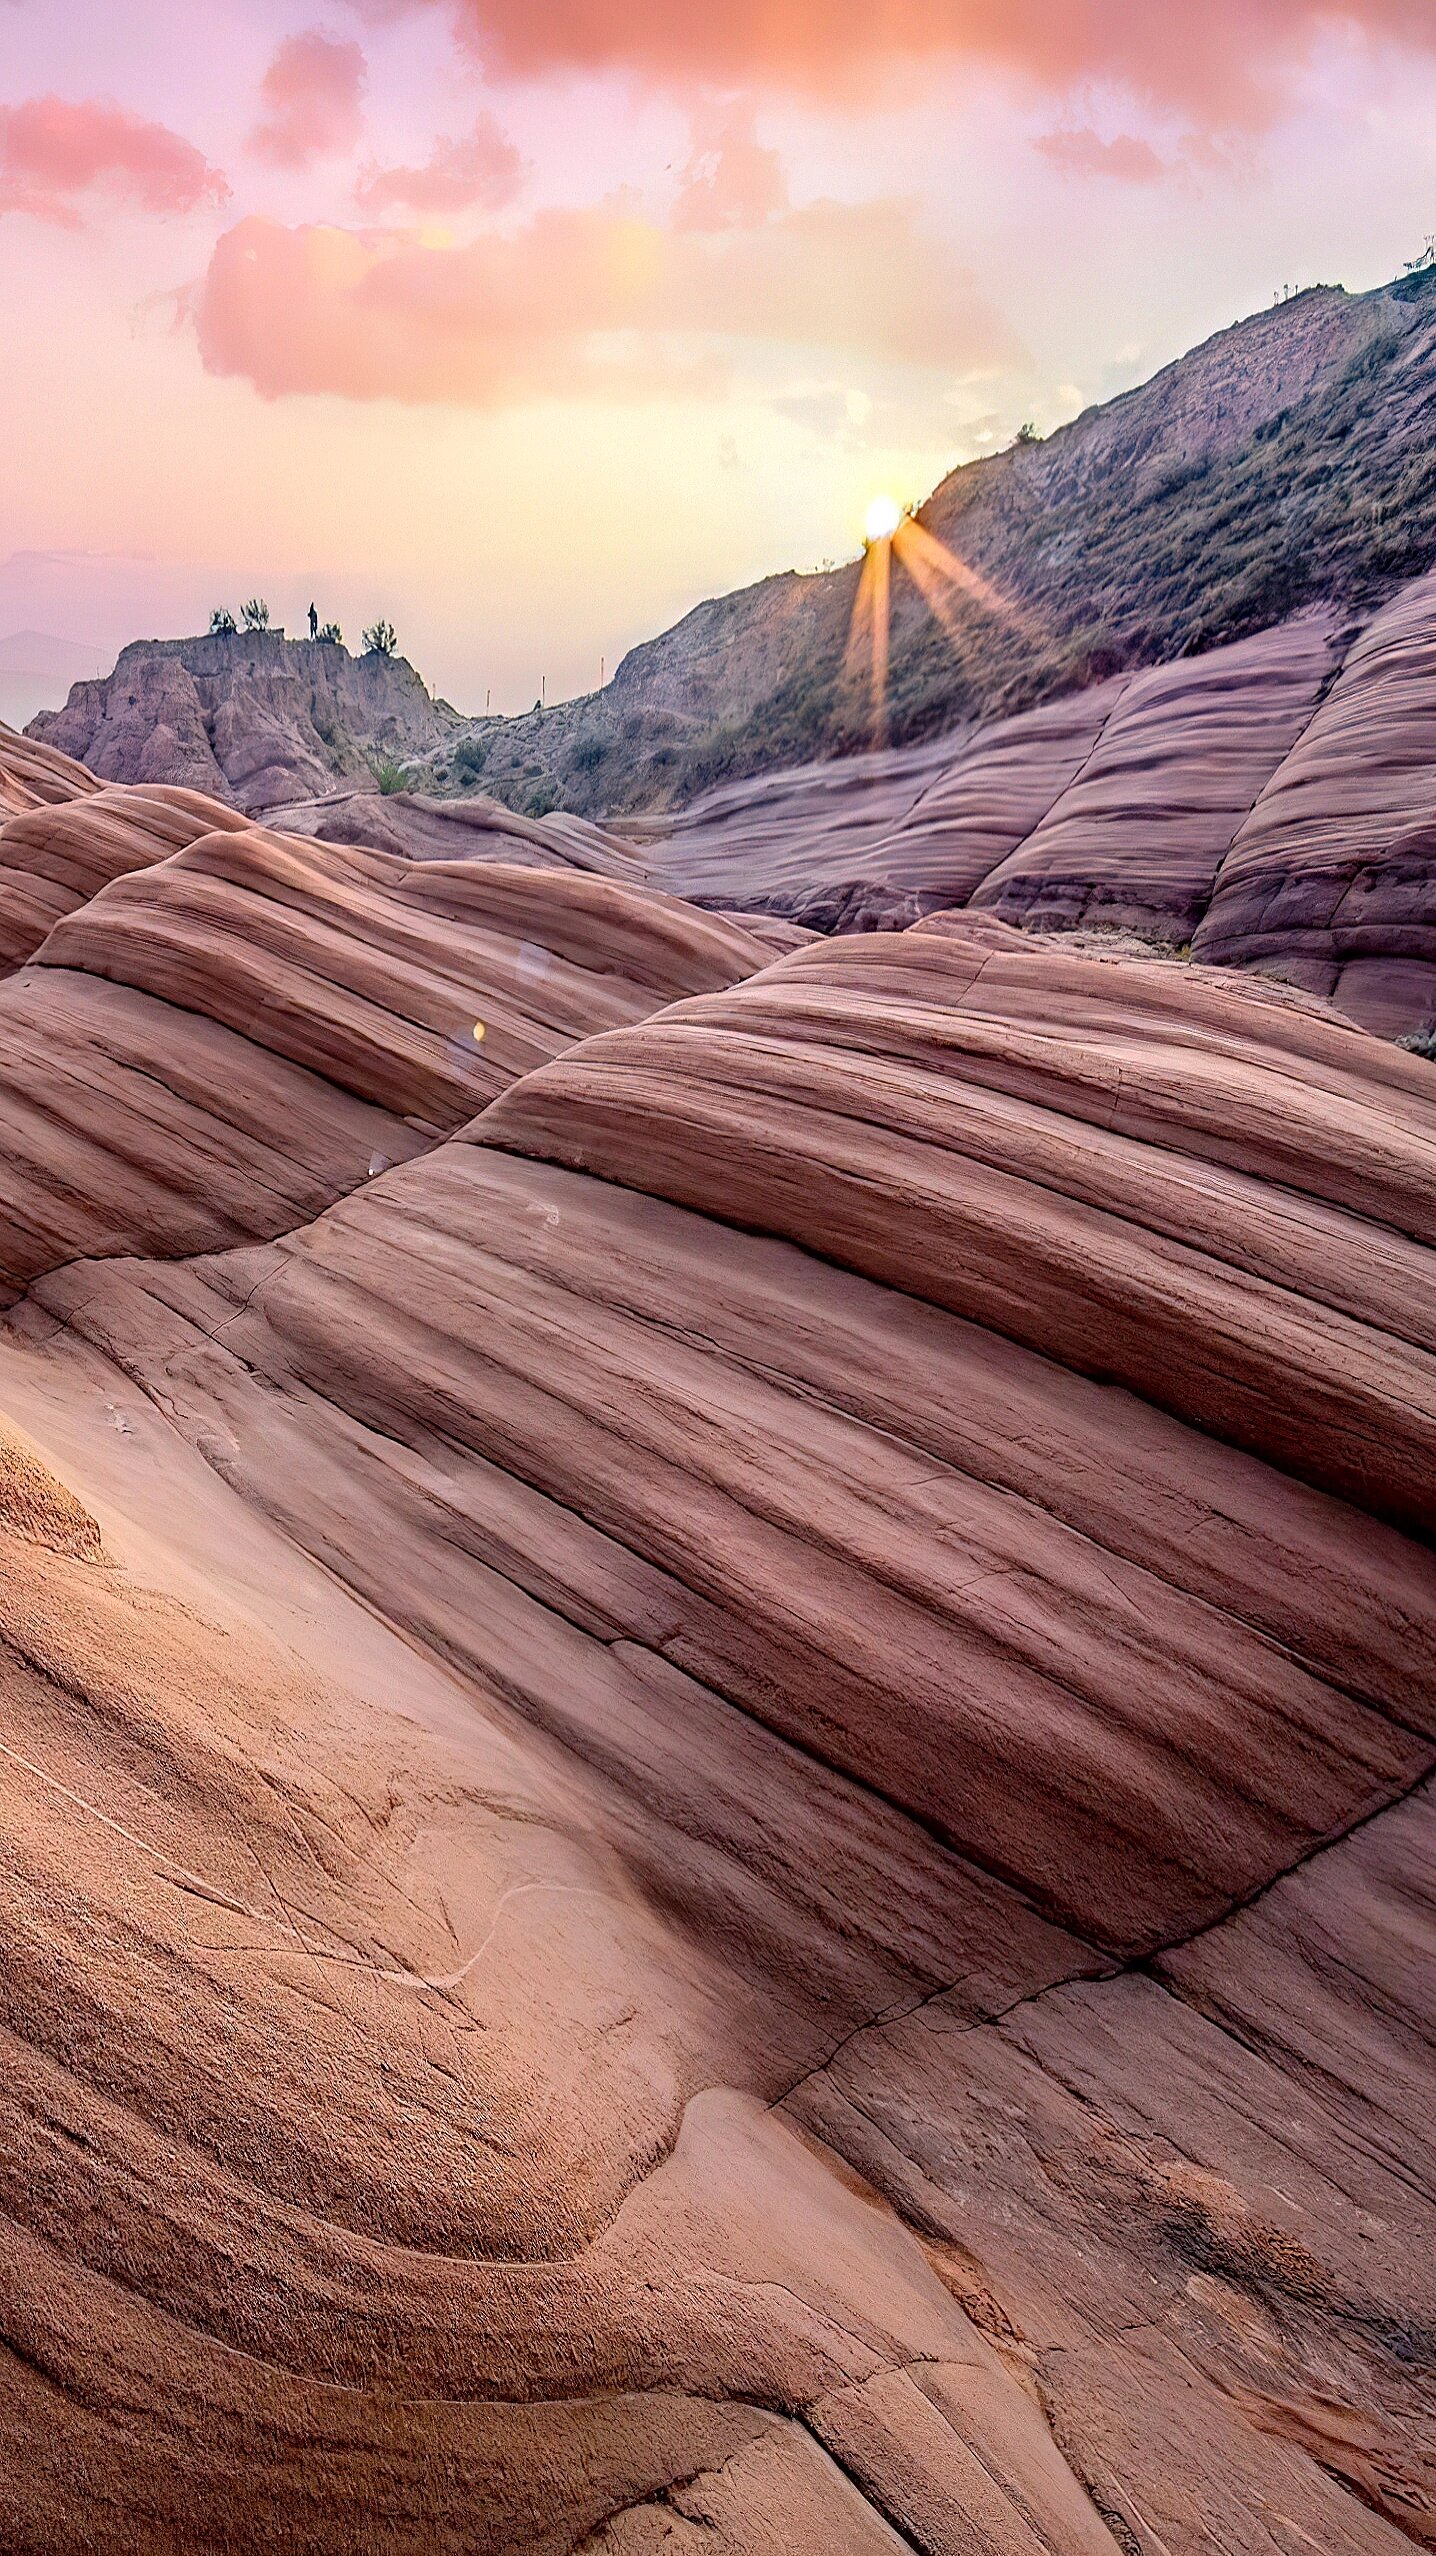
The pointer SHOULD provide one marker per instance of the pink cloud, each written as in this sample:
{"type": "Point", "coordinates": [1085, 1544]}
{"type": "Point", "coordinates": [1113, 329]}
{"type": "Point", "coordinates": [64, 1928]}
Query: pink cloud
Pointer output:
{"type": "Point", "coordinates": [732, 180]}
{"type": "Point", "coordinates": [480, 169]}
{"type": "Point", "coordinates": [1079, 152]}
{"type": "Point", "coordinates": [1229, 61]}
{"type": "Point", "coordinates": [582, 301]}
{"type": "Point", "coordinates": [311, 101]}
{"type": "Point", "coordinates": [55, 153]}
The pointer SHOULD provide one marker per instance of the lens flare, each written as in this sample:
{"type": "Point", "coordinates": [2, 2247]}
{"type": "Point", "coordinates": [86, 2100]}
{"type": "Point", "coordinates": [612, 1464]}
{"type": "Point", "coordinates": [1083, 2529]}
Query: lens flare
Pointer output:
{"type": "Point", "coordinates": [941, 577]}
{"type": "Point", "coordinates": [951, 590]}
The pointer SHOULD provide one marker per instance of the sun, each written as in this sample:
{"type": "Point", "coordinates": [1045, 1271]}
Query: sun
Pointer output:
{"type": "Point", "coordinates": [883, 518]}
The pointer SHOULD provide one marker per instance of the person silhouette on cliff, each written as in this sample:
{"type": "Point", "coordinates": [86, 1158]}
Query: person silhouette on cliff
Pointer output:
{"type": "Point", "coordinates": [313, 622]}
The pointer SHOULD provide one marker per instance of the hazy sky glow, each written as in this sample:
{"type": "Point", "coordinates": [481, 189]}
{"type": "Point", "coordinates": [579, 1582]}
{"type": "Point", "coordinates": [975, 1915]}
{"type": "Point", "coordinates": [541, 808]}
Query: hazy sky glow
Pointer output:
{"type": "Point", "coordinates": [532, 321]}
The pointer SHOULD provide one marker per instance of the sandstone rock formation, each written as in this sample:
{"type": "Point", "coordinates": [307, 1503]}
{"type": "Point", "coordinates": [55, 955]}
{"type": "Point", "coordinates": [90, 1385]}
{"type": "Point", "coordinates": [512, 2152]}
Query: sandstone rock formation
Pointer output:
{"type": "Point", "coordinates": [33, 775]}
{"type": "Point", "coordinates": [54, 858]}
{"type": "Point", "coordinates": [217, 1045]}
{"type": "Point", "coordinates": [1135, 841]}
{"type": "Point", "coordinates": [1272, 803]}
{"type": "Point", "coordinates": [1330, 879]}
{"type": "Point", "coordinates": [720, 1804]}
{"type": "Point", "coordinates": [719, 1728]}
{"type": "Point", "coordinates": [475, 829]}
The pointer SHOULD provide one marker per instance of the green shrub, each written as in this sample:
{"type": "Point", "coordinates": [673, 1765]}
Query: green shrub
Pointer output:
{"type": "Point", "coordinates": [390, 776]}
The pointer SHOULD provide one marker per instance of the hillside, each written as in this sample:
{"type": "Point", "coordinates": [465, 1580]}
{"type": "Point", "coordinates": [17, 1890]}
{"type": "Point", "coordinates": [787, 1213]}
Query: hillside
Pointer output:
{"type": "Point", "coordinates": [1289, 460]}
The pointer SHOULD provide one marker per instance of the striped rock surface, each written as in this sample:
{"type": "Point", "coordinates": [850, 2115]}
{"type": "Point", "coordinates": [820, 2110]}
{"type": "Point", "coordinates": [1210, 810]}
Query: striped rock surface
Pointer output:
{"type": "Point", "coordinates": [216, 1046]}
{"type": "Point", "coordinates": [773, 1888]}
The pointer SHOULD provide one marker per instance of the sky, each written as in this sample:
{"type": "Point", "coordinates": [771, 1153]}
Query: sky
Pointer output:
{"type": "Point", "coordinates": [530, 323]}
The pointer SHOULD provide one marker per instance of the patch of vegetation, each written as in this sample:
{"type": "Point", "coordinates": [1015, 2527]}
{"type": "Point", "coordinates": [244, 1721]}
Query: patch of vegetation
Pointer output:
{"type": "Point", "coordinates": [542, 801]}
{"type": "Point", "coordinates": [390, 776]}
{"type": "Point", "coordinates": [255, 613]}
{"type": "Point", "coordinates": [222, 623]}
{"type": "Point", "coordinates": [470, 756]}
{"type": "Point", "coordinates": [1420, 1042]}
{"type": "Point", "coordinates": [380, 639]}
{"type": "Point", "coordinates": [330, 635]}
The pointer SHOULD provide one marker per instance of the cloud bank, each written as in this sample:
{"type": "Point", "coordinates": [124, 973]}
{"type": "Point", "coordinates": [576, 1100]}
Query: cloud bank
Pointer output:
{"type": "Point", "coordinates": [595, 300]}
{"type": "Point", "coordinates": [59, 155]}
{"type": "Point", "coordinates": [1079, 152]}
{"type": "Point", "coordinates": [479, 171]}
{"type": "Point", "coordinates": [310, 102]}
{"type": "Point", "coordinates": [1225, 62]}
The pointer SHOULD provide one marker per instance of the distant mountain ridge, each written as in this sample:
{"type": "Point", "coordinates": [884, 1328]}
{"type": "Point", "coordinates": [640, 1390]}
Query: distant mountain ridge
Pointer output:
{"type": "Point", "coordinates": [35, 665]}
{"type": "Point", "coordinates": [1288, 461]}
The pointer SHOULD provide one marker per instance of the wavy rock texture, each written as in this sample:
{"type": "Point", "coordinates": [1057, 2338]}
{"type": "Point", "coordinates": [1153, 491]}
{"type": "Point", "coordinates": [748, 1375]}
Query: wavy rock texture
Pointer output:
{"type": "Point", "coordinates": [1272, 802]}
{"type": "Point", "coordinates": [1115, 805]}
{"type": "Point", "coordinates": [1329, 881]}
{"type": "Point", "coordinates": [1056, 1148]}
{"type": "Point", "coordinates": [37, 776]}
{"type": "Point", "coordinates": [1137, 838]}
{"type": "Point", "coordinates": [215, 1047]}
{"type": "Point", "coordinates": [882, 1997]}
{"type": "Point", "coordinates": [717, 1817]}
{"type": "Point", "coordinates": [477, 829]}
{"type": "Point", "coordinates": [798, 842]}
{"type": "Point", "coordinates": [53, 859]}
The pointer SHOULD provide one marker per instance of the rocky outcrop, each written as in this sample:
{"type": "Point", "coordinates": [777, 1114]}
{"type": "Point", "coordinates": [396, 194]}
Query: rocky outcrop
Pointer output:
{"type": "Point", "coordinates": [878, 1994]}
{"type": "Point", "coordinates": [249, 717]}
{"type": "Point", "coordinates": [217, 1046]}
